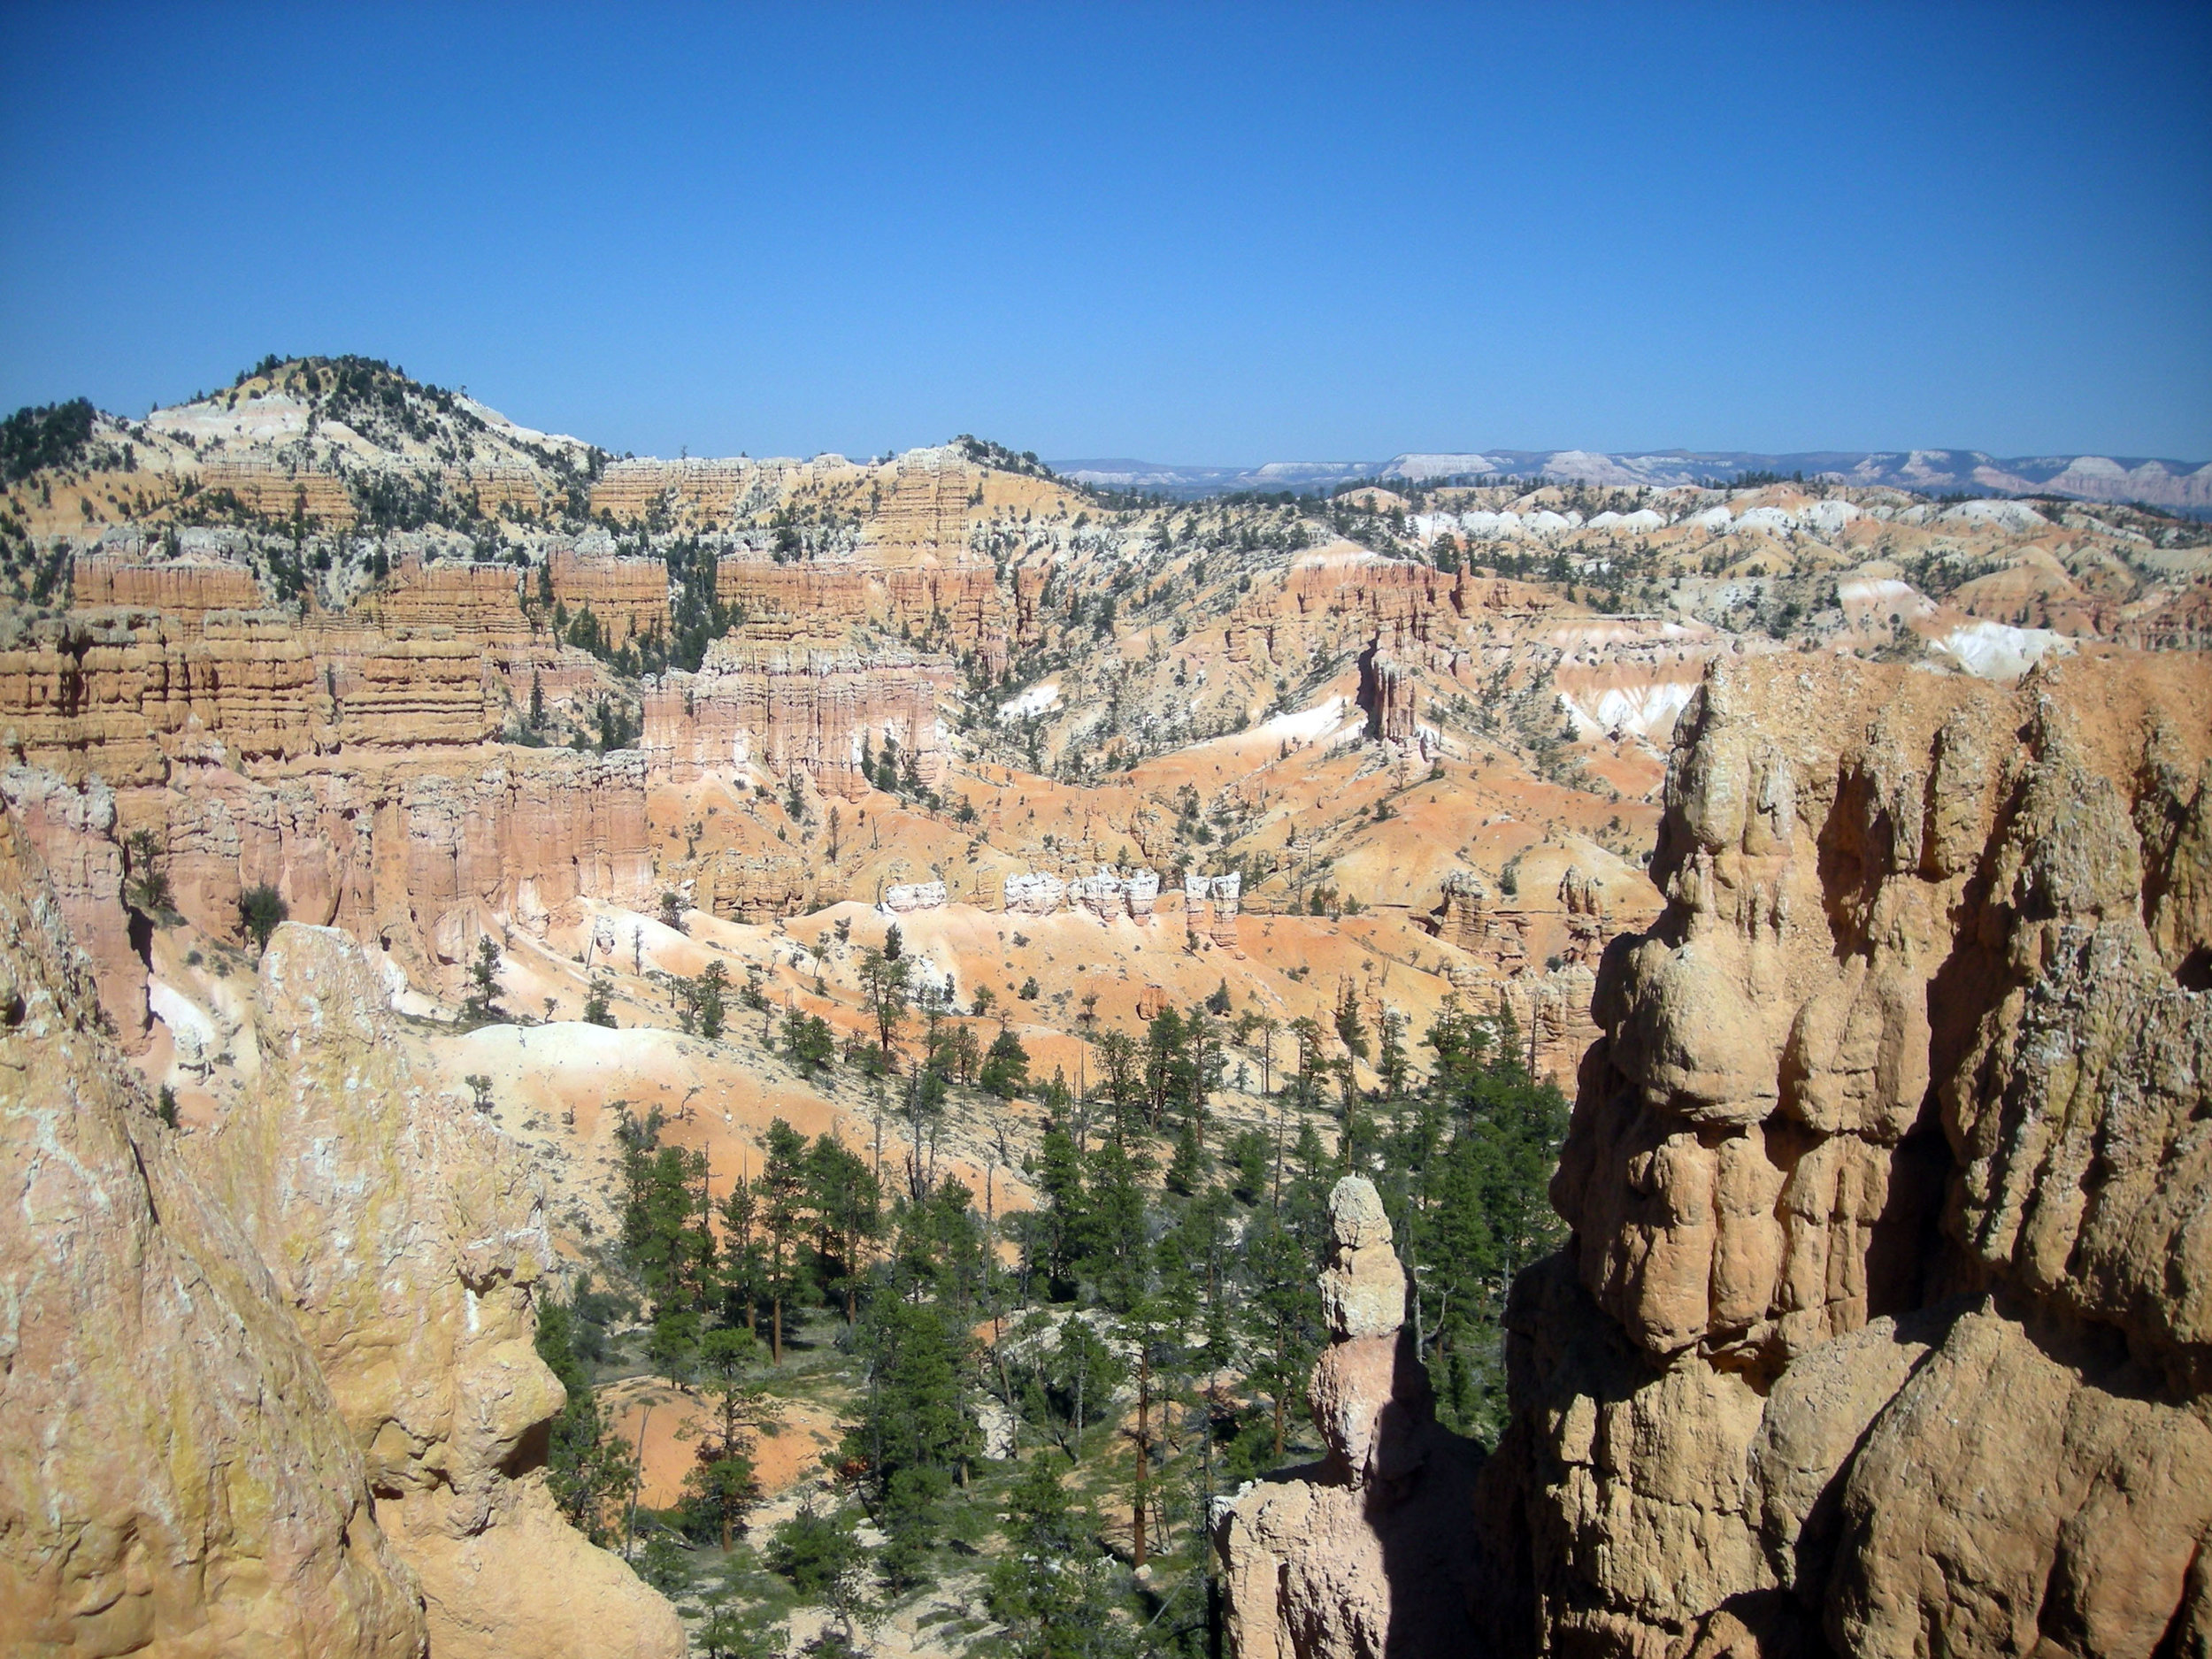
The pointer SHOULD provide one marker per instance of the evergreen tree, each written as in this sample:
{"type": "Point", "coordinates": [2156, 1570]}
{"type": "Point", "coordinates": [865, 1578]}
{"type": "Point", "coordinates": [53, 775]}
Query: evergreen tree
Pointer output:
{"type": "Point", "coordinates": [884, 986]}
{"type": "Point", "coordinates": [598, 1010]}
{"type": "Point", "coordinates": [807, 1040]}
{"type": "Point", "coordinates": [782, 1187]}
{"type": "Point", "coordinates": [261, 912]}
{"type": "Point", "coordinates": [1115, 1240]}
{"type": "Point", "coordinates": [847, 1204]}
{"type": "Point", "coordinates": [1282, 1314]}
{"type": "Point", "coordinates": [1046, 1589]}
{"type": "Point", "coordinates": [706, 996]}
{"type": "Point", "coordinates": [720, 1487]}
{"type": "Point", "coordinates": [744, 1269]}
{"type": "Point", "coordinates": [586, 1465]}
{"type": "Point", "coordinates": [1059, 1226]}
{"type": "Point", "coordinates": [1005, 1071]}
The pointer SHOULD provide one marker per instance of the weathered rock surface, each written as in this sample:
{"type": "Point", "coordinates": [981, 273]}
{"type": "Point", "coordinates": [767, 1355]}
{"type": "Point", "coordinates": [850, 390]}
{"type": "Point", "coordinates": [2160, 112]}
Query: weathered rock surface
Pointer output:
{"type": "Point", "coordinates": [406, 1237]}
{"type": "Point", "coordinates": [1369, 1553]}
{"type": "Point", "coordinates": [1883, 1325]}
{"type": "Point", "coordinates": [779, 709]}
{"type": "Point", "coordinates": [175, 1475]}
{"type": "Point", "coordinates": [73, 833]}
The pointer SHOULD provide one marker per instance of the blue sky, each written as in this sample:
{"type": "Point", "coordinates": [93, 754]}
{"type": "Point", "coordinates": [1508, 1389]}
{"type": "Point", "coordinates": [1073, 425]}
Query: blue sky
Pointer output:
{"type": "Point", "coordinates": [1189, 233]}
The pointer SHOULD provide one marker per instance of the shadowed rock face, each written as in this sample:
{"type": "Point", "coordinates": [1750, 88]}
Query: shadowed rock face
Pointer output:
{"type": "Point", "coordinates": [1369, 1553]}
{"type": "Point", "coordinates": [276, 1395]}
{"type": "Point", "coordinates": [1885, 1321]}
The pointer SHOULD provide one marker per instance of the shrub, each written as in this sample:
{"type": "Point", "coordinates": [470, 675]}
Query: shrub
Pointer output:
{"type": "Point", "coordinates": [261, 912]}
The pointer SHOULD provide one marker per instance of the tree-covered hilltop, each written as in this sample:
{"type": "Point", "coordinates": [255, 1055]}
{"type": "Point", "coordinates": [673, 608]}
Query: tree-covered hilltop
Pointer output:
{"type": "Point", "coordinates": [50, 435]}
{"type": "Point", "coordinates": [1037, 1407]}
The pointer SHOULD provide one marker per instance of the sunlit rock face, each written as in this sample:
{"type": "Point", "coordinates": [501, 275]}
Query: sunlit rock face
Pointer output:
{"type": "Point", "coordinates": [284, 1368]}
{"type": "Point", "coordinates": [407, 1236]}
{"type": "Point", "coordinates": [175, 1474]}
{"type": "Point", "coordinates": [1884, 1324]}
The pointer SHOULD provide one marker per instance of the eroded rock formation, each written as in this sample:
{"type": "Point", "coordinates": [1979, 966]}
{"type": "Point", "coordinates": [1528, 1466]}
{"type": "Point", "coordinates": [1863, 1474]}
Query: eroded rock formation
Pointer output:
{"type": "Point", "coordinates": [406, 1237]}
{"type": "Point", "coordinates": [1368, 1553]}
{"type": "Point", "coordinates": [1884, 1327]}
{"type": "Point", "coordinates": [178, 1477]}
{"type": "Point", "coordinates": [780, 708]}
{"type": "Point", "coordinates": [286, 1372]}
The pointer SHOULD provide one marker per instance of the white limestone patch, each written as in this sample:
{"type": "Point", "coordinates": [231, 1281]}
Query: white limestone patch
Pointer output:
{"type": "Point", "coordinates": [1996, 650]}
{"type": "Point", "coordinates": [1307, 725]}
{"type": "Point", "coordinates": [1647, 710]}
{"type": "Point", "coordinates": [1035, 699]}
{"type": "Point", "coordinates": [2016, 516]}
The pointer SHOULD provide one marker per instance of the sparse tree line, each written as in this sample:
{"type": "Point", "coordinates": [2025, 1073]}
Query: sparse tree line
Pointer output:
{"type": "Point", "coordinates": [1141, 1336]}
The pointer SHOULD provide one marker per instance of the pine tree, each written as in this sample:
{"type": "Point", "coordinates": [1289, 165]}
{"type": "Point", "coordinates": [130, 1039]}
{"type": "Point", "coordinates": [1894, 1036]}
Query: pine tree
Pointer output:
{"type": "Point", "coordinates": [721, 1488]}
{"type": "Point", "coordinates": [1005, 1071]}
{"type": "Point", "coordinates": [782, 1187]}
{"type": "Point", "coordinates": [883, 983]}
{"type": "Point", "coordinates": [847, 1204]}
{"type": "Point", "coordinates": [586, 1465]}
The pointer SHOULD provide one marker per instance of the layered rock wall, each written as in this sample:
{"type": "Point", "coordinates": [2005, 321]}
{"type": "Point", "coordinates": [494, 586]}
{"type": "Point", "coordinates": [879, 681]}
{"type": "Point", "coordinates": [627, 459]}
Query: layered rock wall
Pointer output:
{"type": "Point", "coordinates": [184, 589]}
{"type": "Point", "coordinates": [1883, 1328]}
{"type": "Point", "coordinates": [73, 831]}
{"type": "Point", "coordinates": [957, 606]}
{"type": "Point", "coordinates": [481, 602]}
{"type": "Point", "coordinates": [417, 854]}
{"type": "Point", "coordinates": [628, 596]}
{"type": "Point", "coordinates": [781, 709]}
{"type": "Point", "coordinates": [1404, 609]}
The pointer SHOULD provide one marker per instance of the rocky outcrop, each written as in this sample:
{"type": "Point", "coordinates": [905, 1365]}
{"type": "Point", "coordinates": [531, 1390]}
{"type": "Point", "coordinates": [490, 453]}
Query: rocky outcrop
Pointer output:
{"type": "Point", "coordinates": [418, 855]}
{"type": "Point", "coordinates": [406, 1237]}
{"type": "Point", "coordinates": [1210, 904]}
{"type": "Point", "coordinates": [777, 709]}
{"type": "Point", "coordinates": [908, 897]}
{"type": "Point", "coordinates": [74, 832]}
{"type": "Point", "coordinates": [1471, 919]}
{"type": "Point", "coordinates": [1400, 609]}
{"type": "Point", "coordinates": [1035, 892]}
{"type": "Point", "coordinates": [629, 596]}
{"type": "Point", "coordinates": [1884, 1326]}
{"type": "Point", "coordinates": [477, 600]}
{"type": "Point", "coordinates": [951, 607]}
{"type": "Point", "coordinates": [1368, 1553]}
{"type": "Point", "coordinates": [130, 695]}
{"type": "Point", "coordinates": [176, 1477]}
{"type": "Point", "coordinates": [185, 589]}
{"type": "Point", "coordinates": [1110, 895]}
{"type": "Point", "coordinates": [1390, 694]}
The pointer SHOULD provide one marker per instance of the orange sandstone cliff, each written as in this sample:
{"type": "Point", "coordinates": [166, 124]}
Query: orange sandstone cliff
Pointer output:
{"type": "Point", "coordinates": [1884, 1322]}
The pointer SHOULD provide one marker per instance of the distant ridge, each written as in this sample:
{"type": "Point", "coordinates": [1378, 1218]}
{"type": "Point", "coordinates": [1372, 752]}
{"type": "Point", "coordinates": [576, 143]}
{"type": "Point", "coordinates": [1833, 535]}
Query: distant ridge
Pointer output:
{"type": "Point", "coordinates": [2154, 480]}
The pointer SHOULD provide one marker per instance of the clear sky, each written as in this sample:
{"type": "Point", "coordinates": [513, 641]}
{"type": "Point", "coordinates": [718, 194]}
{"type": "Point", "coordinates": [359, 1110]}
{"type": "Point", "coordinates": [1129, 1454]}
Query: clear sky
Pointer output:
{"type": "Point", "coordinates": [1190, 234]}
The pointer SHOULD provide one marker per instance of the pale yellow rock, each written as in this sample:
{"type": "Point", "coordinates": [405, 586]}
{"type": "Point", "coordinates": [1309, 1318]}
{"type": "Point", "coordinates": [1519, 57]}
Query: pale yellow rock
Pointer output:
{"type": "Point", "coordinates": [406, 1234]}
{"type": "Point", "coordinates": [175, 1477]}
{"type": "Point", "coordinates": [1369, 1553]}
{"type": "Point", "coordinates": [1886, 1325]}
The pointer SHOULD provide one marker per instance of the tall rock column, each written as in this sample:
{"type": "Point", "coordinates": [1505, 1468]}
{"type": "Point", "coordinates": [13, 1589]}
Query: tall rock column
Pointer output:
{"type": "Point", "coordinates": [1884, 1326]}
{"type": "Point", "coordinates": [1367, 1553]}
